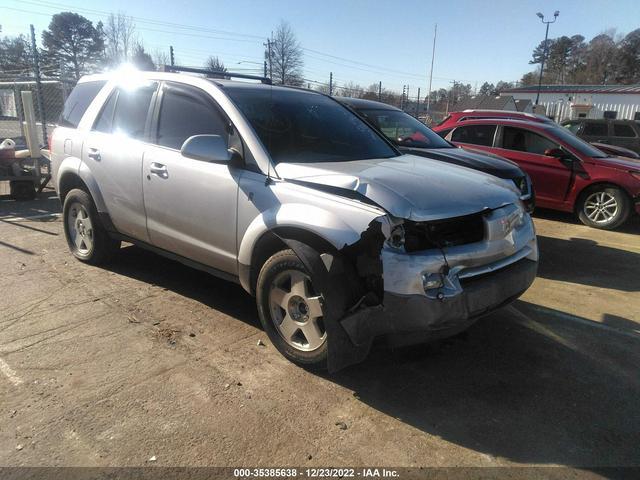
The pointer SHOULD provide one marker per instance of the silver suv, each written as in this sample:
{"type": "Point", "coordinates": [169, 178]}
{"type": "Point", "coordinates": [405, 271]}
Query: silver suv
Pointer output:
{"type": "Point", "coordinates": [341, 238]}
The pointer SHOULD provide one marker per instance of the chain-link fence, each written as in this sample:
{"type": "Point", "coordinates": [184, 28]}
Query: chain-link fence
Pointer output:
{"type": "Point", "coordinates": [48, 103]}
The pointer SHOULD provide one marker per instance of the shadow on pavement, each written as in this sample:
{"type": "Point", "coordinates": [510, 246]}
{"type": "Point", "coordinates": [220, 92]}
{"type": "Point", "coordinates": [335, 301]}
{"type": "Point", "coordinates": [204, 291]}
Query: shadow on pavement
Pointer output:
{"type": "Point", "coordinates": [226, 297]}
{"type": "Point", "coordinates": [586, 262]}
{"type": "Point", "coordinates": [523, 384]}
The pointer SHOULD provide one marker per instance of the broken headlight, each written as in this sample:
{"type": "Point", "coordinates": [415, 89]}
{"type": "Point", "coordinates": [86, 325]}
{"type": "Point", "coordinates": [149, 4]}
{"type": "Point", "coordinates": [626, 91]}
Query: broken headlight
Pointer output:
{"type": "Point", "coordinates": [396, 239]}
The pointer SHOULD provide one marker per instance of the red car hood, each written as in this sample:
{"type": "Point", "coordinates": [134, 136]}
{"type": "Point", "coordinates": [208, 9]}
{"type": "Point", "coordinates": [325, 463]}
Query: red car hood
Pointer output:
{"type": "Point", "coordinates": [622, 163]}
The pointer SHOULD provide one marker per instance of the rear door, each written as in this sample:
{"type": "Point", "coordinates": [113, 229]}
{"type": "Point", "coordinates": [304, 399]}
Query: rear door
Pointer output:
{"type": "Point", "coordinates": [595, 131]}
{"type": "Point", "coordinates": [113, 152]}
{"type": "Point", "coordinates": [477, 137]}
{"type": "Point", "coordinates": [191, 204]}
{"type": "Point", "coordinates": [624, 135]}
{"type": "Point", "coordinates": [550, 176]}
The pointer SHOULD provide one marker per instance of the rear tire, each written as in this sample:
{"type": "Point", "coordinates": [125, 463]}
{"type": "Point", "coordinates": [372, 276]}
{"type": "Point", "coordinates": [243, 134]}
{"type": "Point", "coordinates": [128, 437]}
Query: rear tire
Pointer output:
{"type": "Point", "coordinates": [291, 309]}
{"type": "Point", "coordinates": [603, 206]}
{"type": "Point", "coordinates": [88, 241]}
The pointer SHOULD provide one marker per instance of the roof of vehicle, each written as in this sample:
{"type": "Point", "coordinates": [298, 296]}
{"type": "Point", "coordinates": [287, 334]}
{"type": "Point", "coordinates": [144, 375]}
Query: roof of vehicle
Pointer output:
{"type": "Point", "coordinates": [506, 113]}
{"type": "Point", "coordinates": [174, 76]}
{"type": "Point", "coordinates": [599, 120]}
{"type": "Point", "coordinates": [509, 121]}
{"type": "Point", "coordinates": [363, 103]}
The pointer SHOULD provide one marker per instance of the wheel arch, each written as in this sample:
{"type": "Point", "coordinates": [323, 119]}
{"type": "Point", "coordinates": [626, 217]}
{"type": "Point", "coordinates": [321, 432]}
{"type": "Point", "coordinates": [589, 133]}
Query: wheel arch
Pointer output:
{"type": "Point", "coordinates": [599, 183]}
{"type": "Point", "coordinates": [74, 174]}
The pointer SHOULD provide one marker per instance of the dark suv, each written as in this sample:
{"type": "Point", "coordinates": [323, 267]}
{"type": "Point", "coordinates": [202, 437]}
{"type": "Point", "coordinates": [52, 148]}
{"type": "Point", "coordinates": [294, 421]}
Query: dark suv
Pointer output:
{"type": "Point", "coordinates": [622, 133]}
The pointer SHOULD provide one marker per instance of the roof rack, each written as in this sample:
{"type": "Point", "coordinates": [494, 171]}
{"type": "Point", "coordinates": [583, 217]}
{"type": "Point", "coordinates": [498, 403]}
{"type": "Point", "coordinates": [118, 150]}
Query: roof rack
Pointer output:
{"type": "Point", "coordinates": [222, 75]}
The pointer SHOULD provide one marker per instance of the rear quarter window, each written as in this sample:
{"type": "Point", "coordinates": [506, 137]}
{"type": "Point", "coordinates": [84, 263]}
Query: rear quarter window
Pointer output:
{"type": "Point", "coordinates": [78, 102]}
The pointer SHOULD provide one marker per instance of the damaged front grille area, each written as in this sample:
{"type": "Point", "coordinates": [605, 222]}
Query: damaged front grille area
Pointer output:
{"type": "Point", "coordinates": [450, 232]}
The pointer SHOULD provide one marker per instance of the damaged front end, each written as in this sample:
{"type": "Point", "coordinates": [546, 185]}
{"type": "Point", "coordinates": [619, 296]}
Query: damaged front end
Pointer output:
{"type": "Point", "coordinates": [411, 281]}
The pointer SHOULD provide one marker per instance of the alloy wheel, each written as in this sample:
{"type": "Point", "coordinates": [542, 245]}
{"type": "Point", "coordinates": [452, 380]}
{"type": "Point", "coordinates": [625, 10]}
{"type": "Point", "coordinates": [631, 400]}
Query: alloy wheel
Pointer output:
{"type": "Point", "coordinates": [80, 228]}
{"type": "Point", "coordinates": [297, 311]}
{"type": "Point", "coordinates": [601, 207]}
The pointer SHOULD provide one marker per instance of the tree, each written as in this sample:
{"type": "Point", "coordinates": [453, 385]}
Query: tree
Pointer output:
{"type": "Point", "coordinates": [15, 55]}
{"type": "Point", "coordinates": [352, 89]}
{"type": "Point", "coordinates": [500, 86]}
{"type": "Point", "coordinates": [215, 65]}
{"type": "Point", "coordinates": [487, 89]}
{"type": "Point", "coordinates": [600, 59]}
{"type": "Point", "coordinates": [530, 78]}
{"type": "Point", "coordinates": [72, 42]}
{"type": "Point", "coordinates": [120, 38]}
{"type": "Point", "coordinates": [161, 57]}
{"type": "Point", "coordinates": [286, 56]}
{"type": "Point", "coordinates": [628, 58]}
{"type": "Point", "coordinates": [141, 59]}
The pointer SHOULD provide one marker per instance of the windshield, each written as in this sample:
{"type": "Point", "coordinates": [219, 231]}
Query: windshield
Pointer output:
{"type": "Point", "coordinates": [580, 145]}
{"type": "Point", "coordinates": [301, 127]}
{"type": "Point", "coordinates": [404, 130]}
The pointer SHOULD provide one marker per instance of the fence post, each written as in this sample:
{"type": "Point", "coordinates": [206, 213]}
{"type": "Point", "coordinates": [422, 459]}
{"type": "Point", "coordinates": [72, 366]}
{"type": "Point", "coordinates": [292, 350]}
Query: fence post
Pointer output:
{"type": "Point", "coordinates": [36, 68]}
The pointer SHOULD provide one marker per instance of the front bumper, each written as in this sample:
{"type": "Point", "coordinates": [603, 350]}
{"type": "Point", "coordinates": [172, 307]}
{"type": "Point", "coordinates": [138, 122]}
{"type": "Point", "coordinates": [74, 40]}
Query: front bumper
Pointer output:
{"type": "Point", "coordinates": [475, 279]}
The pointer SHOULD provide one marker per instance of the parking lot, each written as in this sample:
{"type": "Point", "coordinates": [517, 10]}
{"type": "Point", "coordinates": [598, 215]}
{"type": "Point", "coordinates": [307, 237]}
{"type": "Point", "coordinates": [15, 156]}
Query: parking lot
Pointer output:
{"type": "Point", "coordinates": [150, 362]}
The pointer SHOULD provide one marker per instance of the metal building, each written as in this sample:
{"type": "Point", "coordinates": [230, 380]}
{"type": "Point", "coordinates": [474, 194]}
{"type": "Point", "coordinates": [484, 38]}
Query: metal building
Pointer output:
{"type": "Point", "coordinates": [562, 102]}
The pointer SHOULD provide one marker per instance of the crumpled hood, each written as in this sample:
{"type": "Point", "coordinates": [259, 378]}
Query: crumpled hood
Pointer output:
{"type": "Point", "coordinates": [409, 187]}
{"type": "Point", "coordinates": [483, 161]}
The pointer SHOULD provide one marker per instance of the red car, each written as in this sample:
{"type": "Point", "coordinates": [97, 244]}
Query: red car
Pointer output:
{"type": "Point", "coordinates": [567, 173]}
{"type": "Point", "coordinates": [454, 118]}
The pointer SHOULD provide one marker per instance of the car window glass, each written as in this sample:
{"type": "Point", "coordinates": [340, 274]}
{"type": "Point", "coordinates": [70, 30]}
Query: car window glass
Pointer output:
{"type": "Point", "coordinates": [525, 141]}
{"type": "Point", "coordinates": [475, 134]}
{"type": "Point", "coordinates": [78, 102]}
{"type": "Point", "coordinates": [304, 127]}
{"type": "Point", "coordinates": [131, 110]}
{"type": "Point", "coordinates": [623, 130]}
{"type": "Point", "coordinates": [104, 122]}
{"type": "Point", "coordinates": [596, 129]}
{"type": "Point", "coordinates": [184, 112]}
{"type": "Point", "coordinates": [573, 126]}
{"type": "Point", "coordinates": [404, 130]}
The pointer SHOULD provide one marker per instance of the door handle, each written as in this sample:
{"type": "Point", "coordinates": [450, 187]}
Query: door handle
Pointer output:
{"type": "Point", "coordinates": [94, 153]}
{"type": "Point", "coordinates": [159, 170]}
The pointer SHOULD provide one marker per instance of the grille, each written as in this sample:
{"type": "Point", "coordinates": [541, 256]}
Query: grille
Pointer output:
{"type": "Point", "coordinates": [451, 232]}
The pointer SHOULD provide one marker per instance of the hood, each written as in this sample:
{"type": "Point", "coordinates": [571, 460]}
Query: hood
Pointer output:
{"type": "Point", "coordinates": [407, 186]}
{"type": "Point", "coordinates": [485, 162]}
{"type": "Point", "coordinates": [623, 163]}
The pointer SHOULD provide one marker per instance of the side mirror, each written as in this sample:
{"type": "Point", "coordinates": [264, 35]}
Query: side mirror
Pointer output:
{"type": "Point", "coordinates": [555, 152]}
{"type": "Point", "coordinates": [209, 148]}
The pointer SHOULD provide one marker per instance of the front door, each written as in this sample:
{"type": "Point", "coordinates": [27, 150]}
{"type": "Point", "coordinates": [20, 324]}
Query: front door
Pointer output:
{"type": "Point", "coordinates": [550, 176]}
{"type": "Point", "coordinates": [191, 204]}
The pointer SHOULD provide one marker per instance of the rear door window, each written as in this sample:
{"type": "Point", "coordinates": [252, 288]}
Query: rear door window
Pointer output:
{"type": "Point", "coordinates": [104, 122]}
{"type": "Point", "coordinates": [595, 129]}
{"type": "Point", "coordinates": [623, 130]}
{"type": "Point", "coordinates": [475, 134]}
{"type": "Point", "coordinates": [522, 140]}
{"type": "Point", "coordinates": [78, 102]}
{"type": "Point", "coordinates": [132, 110]}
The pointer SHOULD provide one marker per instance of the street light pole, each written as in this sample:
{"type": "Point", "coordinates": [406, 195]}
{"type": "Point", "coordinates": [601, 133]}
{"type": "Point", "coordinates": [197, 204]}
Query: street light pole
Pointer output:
{"type": "Point", "coordinates": [544, 50]}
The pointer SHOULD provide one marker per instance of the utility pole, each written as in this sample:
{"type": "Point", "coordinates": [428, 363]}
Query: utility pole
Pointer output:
{"type": "Point", "coordinates": [265, 69]}
{"type": "Point", "coordinates": [433, 55]}
{"type": "Point", "coordinates": [330, 83]}
{"type": "Point", "coordinates": [402, 98]}
{"type": "Point", "coordinates": [36, 69]}
{"type": "Point", "coordinates": [544, 50]}
{"type": "Point", "coordinates": [268, 45]}
{"type": "Point", "coordinates": [418, 104]}
{"type": "Point", "coordinates": [171, 57]}
{"type": "Point", "coordinates": [379, 91]}
{"type": "Point", "coordinates": [407, 97]}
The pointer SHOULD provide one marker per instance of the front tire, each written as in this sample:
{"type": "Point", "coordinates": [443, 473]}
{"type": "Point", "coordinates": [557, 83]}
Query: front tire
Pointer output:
{"type": "Point", "coordinates": [605, 207]}
{"type": "Point", "coordinates": [88, 241]}
{"type": "Point", "coordinates": [291, 310]}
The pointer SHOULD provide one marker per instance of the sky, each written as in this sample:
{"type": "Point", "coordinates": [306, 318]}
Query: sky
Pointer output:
{"type": "Point", "coordinates": [360, 41]}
